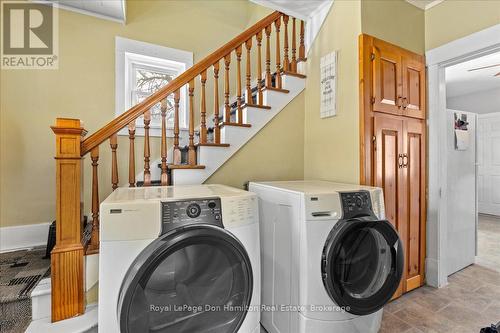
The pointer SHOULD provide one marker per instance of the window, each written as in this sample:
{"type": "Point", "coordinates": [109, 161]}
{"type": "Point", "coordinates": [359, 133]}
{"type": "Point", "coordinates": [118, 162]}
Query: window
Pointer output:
{"type": "Point", "coordinates": [142, 69]}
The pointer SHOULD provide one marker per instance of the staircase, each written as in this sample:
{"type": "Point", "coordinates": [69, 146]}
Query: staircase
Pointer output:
{"type": "Point", "coordinates": [223, 129]}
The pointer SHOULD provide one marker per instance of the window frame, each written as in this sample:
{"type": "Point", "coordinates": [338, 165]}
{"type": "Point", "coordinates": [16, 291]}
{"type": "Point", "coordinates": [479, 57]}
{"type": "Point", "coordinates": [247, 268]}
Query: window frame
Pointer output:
{"type": "Point", "coordinates": [131, 54]}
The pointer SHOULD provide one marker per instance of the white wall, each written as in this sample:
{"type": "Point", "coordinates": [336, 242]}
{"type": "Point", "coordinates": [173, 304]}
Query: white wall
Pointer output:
{"type": "Point", "coordinates": [481, 102]}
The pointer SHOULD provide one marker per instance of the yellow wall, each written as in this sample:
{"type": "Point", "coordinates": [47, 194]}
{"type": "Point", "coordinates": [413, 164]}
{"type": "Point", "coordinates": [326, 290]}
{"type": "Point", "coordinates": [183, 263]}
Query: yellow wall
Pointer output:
{"type": "Point", "coordinates": [395, 21]}
{"type": "Point", "coordinates": [83, 87]}
{"type": "Point", "coordinates": [275, 153]}
{"type": "Point", "coordinates": [453, 19]}
{"type": "Point", "coordinates": [331, 149]}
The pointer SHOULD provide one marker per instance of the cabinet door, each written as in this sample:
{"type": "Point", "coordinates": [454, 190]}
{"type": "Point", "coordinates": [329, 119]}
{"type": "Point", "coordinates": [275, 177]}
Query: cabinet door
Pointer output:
{"type": "Point", "coordinates": [413, 97]}
{"type": "Point", "coordinates": [388, 160]}
{"type": "Point", "coordinates": [386, 70]}
{"type": "Point", "coordinates": [414, 173]}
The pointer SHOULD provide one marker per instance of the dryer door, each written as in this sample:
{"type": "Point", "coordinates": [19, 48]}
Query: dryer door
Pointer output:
{"type": "Point", "coordinates": [362, 264]}
{"type": "Point", "coordinates": [194, 279]}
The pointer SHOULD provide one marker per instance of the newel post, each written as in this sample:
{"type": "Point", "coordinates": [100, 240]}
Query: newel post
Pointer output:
{"type": "Point", "coordinates": [67, 256]}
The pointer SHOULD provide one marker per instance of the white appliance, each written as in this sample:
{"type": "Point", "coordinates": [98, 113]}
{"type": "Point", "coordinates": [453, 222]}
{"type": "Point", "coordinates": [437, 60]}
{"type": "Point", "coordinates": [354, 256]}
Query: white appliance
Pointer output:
{"type": "Point", "coordinates": [180, 259]}
{"type": "Point", "coordinates": [330, 260]}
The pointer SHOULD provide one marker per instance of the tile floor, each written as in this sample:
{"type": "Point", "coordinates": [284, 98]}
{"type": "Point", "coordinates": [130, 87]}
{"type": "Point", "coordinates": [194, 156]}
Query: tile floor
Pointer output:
{"type": "Point", "coordinates": [489, 242]}
{"type": "Point", "coordinates": [470, 301]}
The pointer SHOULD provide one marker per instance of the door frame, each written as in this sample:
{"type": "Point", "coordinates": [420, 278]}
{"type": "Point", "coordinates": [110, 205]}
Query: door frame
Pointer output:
{"type": "Point", "coordinates": [472, 46]}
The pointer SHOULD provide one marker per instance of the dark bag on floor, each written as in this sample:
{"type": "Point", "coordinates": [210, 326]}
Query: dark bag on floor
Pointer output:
{"type": "Point", "coordinates": [491, 329]}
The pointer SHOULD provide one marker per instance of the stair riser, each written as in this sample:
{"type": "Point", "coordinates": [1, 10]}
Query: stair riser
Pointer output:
{"type": "Point", "coordinates": [238, 136]}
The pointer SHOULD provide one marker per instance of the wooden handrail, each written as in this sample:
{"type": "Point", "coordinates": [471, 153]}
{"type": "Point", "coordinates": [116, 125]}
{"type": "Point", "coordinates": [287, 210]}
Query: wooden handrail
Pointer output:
{"type": "Point", "coordinates": [136, 111]}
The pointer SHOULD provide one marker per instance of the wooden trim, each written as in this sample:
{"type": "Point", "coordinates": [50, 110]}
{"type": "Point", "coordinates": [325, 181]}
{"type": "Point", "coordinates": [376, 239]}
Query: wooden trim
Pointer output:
{"type": "Point", "coordinates": [123, 120]}
{"type": "Point", "coordinates": [235, 124]}
{"type": "Point", "coordinates": [281, 90]}
{"type": "Point", "coordinates": [185, 166]}
{"type": "Point", "coordinates": [264, 107]}
{"type": "Point", "coordinates": [212, 144]}
{"type": "Point", "coordinates": [302, 76]}
{"type": "Point", "coordinates": [365, 112]}
{"type": "Point", "coordinates": [67, 255]}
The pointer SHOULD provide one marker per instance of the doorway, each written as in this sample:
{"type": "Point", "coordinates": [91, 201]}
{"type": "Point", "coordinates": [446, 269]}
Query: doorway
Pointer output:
{"type": "Point", "coordinates": [473, 156]}
{"type": "Point", "coordinates": [437, 60]}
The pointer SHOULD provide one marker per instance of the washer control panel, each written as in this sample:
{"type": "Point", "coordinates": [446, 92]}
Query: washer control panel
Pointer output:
{"type": "Point", "coordinates": [356, 204]}
{"type": "Point", "coordinates": [175, 214]}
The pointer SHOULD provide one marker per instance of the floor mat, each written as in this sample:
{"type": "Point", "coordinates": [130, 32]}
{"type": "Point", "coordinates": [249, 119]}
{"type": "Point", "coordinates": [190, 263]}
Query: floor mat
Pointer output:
{"type": "Point", "coordinates": [20, 272]}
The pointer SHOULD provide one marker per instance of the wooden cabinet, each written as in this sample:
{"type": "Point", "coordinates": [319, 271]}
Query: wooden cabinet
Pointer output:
{"type": "Point", "coordinates": [393, 144]}
{"type": "Point", "coordinates": [399, 168]}
{"type": "Point", "coordinates": [398, 84]}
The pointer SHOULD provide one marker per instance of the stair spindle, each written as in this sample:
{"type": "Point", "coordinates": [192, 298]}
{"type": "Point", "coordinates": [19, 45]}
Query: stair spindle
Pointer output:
{"type": "Point", "coordinates": [269, 78]}
{"type": "Point", "coordinates": [164, 174]}
{"type": "Point", "coordinates": [259, 69]}
{"type": "Point", "coordinates": [239, 116]}
{"type": "Point", "coordinates": [113, 142]}
{"type": "Point", "coordinates": [286, 61]}
{"type": "Point", "coordinates": [216, 103]}
{"type": "Point", "coordinates": [94, 239]}
{"type": "Point", "coordinates": [147, 153]}
{"type": "Point", "coordinates": [293, 64]}
{"type": "Point", "coordinates": [277, 24]}
{"type": "Point", "coordinates": [192, 151]}
{"type": "Point", "coordinates": [248, 94]}
{"type": "Point", "coordinates": [203, 108]}
{"type": "Point", "coordinates": [227, 109]}
{"type": "Point", "coordinates": [177, 151]}
{"type": "Point", "coordinates": [302, 47]}
{"type": "Point", "coordinates": [131, 155]}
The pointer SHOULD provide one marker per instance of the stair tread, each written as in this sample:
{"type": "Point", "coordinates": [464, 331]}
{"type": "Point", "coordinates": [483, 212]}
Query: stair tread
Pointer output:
{"type": "Point", "coordinates": [286, 91]}
{"type": "Point", "coordinates": [234, 124]}
{"type": "Point", "coordinates": [212, 144]}
{"type": "Point", "coordinates": [266, 107]}
{"type": "Point", "coordinates": [185, 166]}
{"type": "Point", "coordinates": [302, 76]}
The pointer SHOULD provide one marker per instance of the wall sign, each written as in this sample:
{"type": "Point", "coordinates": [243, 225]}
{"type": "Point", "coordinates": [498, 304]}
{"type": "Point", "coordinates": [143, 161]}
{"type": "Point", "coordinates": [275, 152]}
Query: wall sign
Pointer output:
{"type": "Point", "coordinates": [328, 85]}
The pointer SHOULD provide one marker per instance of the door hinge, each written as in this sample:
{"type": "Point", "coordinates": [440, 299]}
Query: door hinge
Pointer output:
{"type": "Point", "coordinates": [372, 56]}
{"type": "Point", "coordinates": [373, 100]}
{"type": "Point", "coordinates": [374, 140]}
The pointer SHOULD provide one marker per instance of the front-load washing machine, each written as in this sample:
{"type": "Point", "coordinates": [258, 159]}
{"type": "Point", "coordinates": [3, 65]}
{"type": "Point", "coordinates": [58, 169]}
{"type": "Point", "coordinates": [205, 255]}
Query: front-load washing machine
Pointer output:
{"type": "Point", "coordinates": [330, 260]}
{"type": "Point", "coordinates": [179, 259]}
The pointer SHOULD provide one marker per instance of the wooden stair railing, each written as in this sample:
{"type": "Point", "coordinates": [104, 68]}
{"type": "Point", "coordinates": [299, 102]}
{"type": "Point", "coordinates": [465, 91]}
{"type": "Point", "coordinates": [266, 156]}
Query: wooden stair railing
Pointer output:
{"type": "Point", "coordinates": [71, 144]}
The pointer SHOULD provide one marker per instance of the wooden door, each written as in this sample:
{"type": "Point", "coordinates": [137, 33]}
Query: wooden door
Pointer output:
{"type": "Point", "coordinates": [386, 73]}
{"type": "Point", "coordinates": [413, 86]}
{"type": "Point", "coordinates": [414, 178]}
{"type": "Point", "coordinates": [388, 161]}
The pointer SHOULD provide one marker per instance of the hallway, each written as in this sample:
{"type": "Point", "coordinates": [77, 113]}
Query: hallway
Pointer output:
{"type": "Point", "coordinates": [489, 242]}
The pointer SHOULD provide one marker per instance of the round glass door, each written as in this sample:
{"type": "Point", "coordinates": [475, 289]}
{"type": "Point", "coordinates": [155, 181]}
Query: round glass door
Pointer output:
{"type": "Point", "coordinates": [362, 265]}
{"type": "Point", "coordinates": [195, 280]}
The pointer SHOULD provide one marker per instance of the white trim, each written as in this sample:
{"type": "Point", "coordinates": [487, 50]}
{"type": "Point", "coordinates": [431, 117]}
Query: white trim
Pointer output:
{"type": "Point", "coordinates": [125, 51]}
{"type": "Point", "coordinates": [472, 46]}
{"type": "Point", "coordinates": [315, 22]}
{"type": "Point", "coordinates": [420, 4]}
{"type": "Point", "coordinates": [59, 5]}
{"type": "Point", "coordinates": [23, 237]}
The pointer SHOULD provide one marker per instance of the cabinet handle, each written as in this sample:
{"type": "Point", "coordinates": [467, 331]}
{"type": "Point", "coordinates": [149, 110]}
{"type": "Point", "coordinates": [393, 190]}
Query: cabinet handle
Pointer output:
{"type": "Point", "coordinates": [400, 160]}
{"type": "Point", "coordinates": [398, 101]}
{"type": "Point", "coordinates": [405, 160]}
{"type": "Point", "coordinates": [405, 103]}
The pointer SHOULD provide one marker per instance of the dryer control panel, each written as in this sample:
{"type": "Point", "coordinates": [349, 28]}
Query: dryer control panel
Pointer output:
{"type": "Point", "coordinates": [175, 214]}
{"type": "Point", "coordinates": [356, 204]}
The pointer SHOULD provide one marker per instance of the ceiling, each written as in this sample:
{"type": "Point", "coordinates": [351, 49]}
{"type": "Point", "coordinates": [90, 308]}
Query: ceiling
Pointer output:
{"type": "Point", "coordinates": [424, 4]}
{"type": "Point", "coordinates": [301, 9]}
{"type": "Point", "coordinates": [114, 10]}
{"type": "Point", "coordinates": [460, 81]}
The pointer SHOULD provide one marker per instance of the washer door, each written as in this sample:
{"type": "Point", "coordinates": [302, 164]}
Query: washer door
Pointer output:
{"type": "Point", "coordinates": [362, 264]}
{"type": "Point", "coordinates": [194, 279]}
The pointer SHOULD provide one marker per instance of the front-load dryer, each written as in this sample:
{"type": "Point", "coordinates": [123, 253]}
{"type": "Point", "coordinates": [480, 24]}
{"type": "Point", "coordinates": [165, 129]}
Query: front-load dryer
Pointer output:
{"type": "Point", "coordinates": [330, 260]}
{"type": "Point", "coordinates": [180, 259]}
